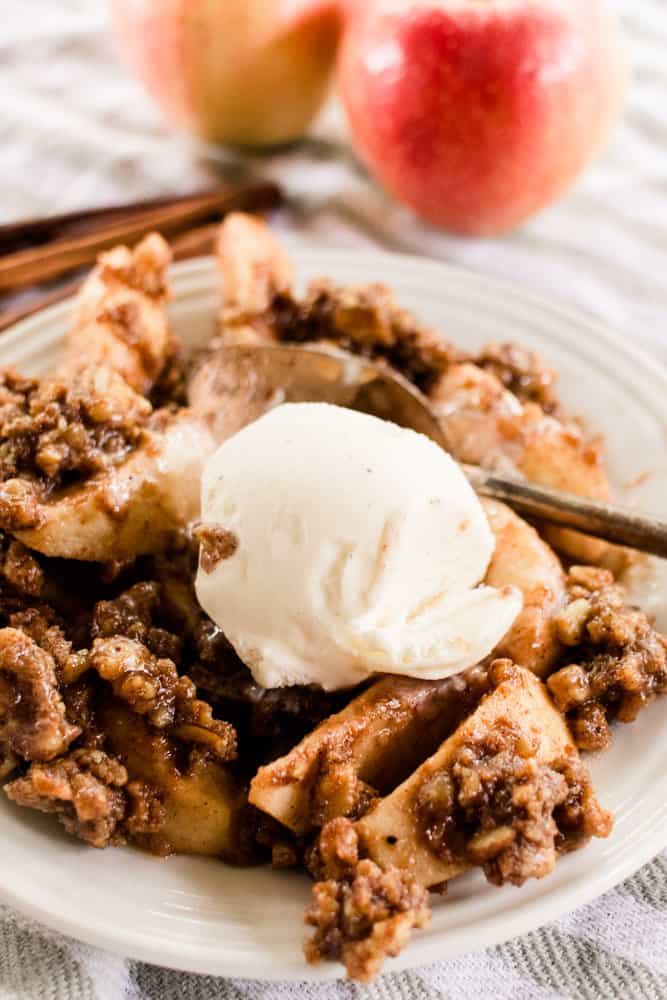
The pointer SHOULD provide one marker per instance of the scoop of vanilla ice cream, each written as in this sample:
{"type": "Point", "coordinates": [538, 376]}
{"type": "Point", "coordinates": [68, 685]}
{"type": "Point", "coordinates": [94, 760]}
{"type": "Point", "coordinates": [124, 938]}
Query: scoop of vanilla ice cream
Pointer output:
{"type": "Point", "coordinates": [352, 546]}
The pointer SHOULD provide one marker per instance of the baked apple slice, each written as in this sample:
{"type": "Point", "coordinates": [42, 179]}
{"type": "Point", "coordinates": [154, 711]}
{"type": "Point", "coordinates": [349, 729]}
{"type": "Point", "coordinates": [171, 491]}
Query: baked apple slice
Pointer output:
{"type": "Point", "coordinates": [507, 791]}
{"type": "Point", "coordinates": [120, 320]}
{"type": "Point", "coordinates": [364, 750]}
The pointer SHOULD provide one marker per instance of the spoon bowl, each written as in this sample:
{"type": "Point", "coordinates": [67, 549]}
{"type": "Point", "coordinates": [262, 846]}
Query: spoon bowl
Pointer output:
{"type": "Point", "coordinates": [238, 383]}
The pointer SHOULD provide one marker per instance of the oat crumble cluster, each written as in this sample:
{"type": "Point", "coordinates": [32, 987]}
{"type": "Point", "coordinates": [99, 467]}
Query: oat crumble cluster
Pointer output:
{"type": "Point", "coordinates": [615, 661]}
{"type": "Point", "coordinates": [361, 913]}
{"type": "Point", "coordinates": [55, 433]}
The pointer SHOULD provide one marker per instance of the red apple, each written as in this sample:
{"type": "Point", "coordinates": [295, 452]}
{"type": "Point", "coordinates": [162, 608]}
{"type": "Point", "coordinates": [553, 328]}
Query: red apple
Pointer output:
{"type": "Point", "coordinates": [245, 72]}
{"type": "Point", "coordinates": [477, 113]}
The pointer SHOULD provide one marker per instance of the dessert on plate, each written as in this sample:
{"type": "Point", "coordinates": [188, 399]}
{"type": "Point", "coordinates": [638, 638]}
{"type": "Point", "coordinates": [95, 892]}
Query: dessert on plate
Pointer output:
{"type": "Point", "coordinates": [299, 638]}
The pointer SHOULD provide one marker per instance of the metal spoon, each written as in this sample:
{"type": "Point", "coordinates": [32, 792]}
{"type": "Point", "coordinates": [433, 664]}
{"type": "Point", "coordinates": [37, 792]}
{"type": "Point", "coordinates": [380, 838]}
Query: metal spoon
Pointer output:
{"type": "Point", "coordinates": [240, 382]}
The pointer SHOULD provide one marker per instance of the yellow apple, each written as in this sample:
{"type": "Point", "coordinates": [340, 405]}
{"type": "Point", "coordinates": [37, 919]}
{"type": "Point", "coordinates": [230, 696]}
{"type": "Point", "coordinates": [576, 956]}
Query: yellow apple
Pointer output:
{"type": "Point", "coordinates": [241, 72]}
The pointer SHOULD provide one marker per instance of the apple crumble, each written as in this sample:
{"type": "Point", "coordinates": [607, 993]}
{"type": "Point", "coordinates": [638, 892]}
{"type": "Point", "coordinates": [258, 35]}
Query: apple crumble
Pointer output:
{"type": "Point", "coordinates": [127, 713]}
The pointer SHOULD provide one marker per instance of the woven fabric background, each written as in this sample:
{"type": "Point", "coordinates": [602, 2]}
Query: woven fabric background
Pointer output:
{"type": "Point", "coordinates": [76, 130]}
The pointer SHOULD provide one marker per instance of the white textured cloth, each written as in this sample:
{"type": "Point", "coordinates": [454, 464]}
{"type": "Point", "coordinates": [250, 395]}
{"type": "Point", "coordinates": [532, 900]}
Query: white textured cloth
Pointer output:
{"type": "Point", "coordinates": [76, 130]}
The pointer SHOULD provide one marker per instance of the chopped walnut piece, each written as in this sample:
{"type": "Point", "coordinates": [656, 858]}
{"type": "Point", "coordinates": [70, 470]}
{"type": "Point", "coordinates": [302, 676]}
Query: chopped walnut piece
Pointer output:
{"type": "Point", "coordinates": [335, 851]}
{"type": "Point", "coordinates": [570, 623]}
{"type": "Point", "coordinates": [32, 713]}
{"type": "Point", "coordinates": [146, 683]}
{"type": "Point", "coordinates": [19, 505]}
{"type": "Point", "coordinates": [20, 569]}
{"type": "Point", "coordinates": [360, 912]}
{"type": "Point", "coordinates": [45, 628]}
{"type": "Point", "coordinates": [85, 791]}
{"type": "Point", "coordinates": [194, 723]}
{"type": "Point", "coordinates": [135, 614]}
{"type": "Point", "coordinates": [570, 685]}
{"type": "Point", "coordinates": [152, 687]}
{"type": "Point", "coordinates": [618, 660]}
{"type": "Point", "coordinates": [146, 813]}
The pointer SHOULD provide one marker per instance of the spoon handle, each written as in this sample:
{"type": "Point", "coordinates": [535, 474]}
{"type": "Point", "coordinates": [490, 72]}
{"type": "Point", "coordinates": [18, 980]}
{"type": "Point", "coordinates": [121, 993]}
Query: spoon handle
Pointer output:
{"type": "Point", "coordinates": [603, 520]}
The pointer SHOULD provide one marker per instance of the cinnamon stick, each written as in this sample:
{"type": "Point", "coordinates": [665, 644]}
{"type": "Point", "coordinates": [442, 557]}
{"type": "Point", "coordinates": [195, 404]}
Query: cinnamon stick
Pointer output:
{"type": "Point", "coordinates": [192, 243]}
{"type": "Point", "coordinates": [28, 267]}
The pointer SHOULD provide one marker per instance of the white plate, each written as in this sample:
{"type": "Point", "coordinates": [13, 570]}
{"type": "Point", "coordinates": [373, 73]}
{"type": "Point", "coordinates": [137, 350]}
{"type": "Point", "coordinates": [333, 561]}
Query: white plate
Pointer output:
{"type": "Point", "coordinates": [199, 915]}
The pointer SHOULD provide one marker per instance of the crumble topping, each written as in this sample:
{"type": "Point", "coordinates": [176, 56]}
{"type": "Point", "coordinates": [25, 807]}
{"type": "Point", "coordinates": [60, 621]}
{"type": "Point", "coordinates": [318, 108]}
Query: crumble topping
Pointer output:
{"type": "Point", "coordinates": [45, 628]}
{"type": "Point", "coordinates": [148, 683]}
{"type": "Point", "coordinates": [361, 913]}
{"type": "Point", "coordinates": [90, 794]}
{"type": "Point", "coordinates": [51, 695]}
{"type": "Point", "coordinates": [615, 661]}
{"type": "Point", "coordinates": [364, 320]}
{"type": "Point", "coordinates": [19, 569]}
{"type": "Point", "coordinates": [54, 433]}
{"type": "Point", "coordinates": [84, 790]}
{"type": "Point", "coordinates": [135, 614]}
{"type": "Point", "coordinates": [499, 807]}
{"type": "Point", "coordinates": [33, 721]}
